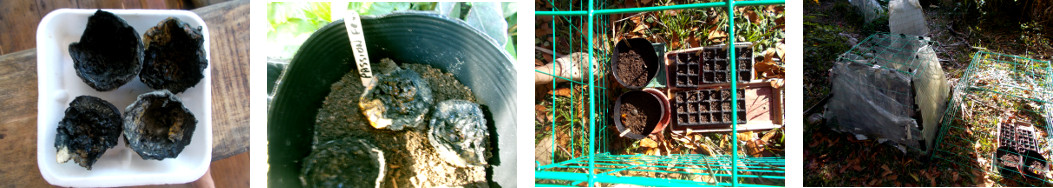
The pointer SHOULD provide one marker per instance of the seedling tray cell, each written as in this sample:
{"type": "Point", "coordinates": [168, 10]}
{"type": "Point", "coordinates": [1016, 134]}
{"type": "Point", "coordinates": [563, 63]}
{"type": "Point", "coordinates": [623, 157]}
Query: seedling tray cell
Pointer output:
{"type": "Point", "coordinates": [709, 65]}
{"type": "Point", "coordinates": [707, 108]}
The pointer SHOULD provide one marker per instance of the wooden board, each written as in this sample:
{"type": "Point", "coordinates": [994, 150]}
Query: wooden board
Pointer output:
{"type": "Point", "coordinates": [228, 25]}
{"type": "Point", "coordinates": [19, 19]}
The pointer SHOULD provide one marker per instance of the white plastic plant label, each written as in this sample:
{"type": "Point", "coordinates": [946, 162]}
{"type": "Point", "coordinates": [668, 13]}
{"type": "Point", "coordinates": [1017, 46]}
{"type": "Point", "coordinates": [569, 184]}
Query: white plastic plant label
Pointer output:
{"type": "Point", "coordinates": [353, 23]}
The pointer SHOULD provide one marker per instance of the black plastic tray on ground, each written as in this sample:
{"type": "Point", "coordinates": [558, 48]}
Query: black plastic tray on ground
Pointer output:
{"type": "Point", "coordinates": [709, 65]}
{"type": "Point", "coordinates": [706, 108]}
{"type": "Point", "coordinates": [1018, 151]}
{"type": "Point", "coordinates": [1018, 139]}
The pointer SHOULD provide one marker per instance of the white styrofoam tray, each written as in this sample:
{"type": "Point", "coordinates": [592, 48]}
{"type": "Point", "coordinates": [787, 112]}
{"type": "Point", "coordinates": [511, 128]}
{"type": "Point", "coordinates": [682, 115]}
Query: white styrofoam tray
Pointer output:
{"type": "Point", "coordinates": [58, 85]}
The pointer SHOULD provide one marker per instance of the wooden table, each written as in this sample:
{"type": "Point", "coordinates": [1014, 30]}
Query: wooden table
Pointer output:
{"type": "Point", "coordinates": [228, 25]}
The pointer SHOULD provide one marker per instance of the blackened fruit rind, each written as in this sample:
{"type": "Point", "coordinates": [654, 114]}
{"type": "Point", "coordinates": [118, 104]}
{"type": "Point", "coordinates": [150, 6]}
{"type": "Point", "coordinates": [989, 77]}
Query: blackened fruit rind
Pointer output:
{"type": "Point", "coordinates": [158, 126]}
{"type": "Point", "coordinates": [90, 127]}
{"type": "Point", "coordinates": [397, 100]}
{"type": "Point", "coordinates": [109, 53]}
{"type": "Point", "coordinates": [344, 162]}
{"type": "Point", "coordinates": [175, 56]}
{"type": "Point", "coordinates": [458, 132]}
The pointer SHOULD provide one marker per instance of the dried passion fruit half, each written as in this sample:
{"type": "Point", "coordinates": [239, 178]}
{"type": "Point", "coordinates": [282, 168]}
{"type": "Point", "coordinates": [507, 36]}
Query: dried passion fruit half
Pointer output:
{"type": "Point", "coordinates": [91, 125]}
{"type": "Point", "coordinates": [458, 132]}
{"type": "Point", "coordinates": [175, 56]}
{"type": "Point", "coordinates": [344, 163]}
{"type": "Point", "coordinates": [109, 53]}
{"type": "Point", "coordinates": [157, 126]}
{"type": "Point", "coordinates": [397, 100]}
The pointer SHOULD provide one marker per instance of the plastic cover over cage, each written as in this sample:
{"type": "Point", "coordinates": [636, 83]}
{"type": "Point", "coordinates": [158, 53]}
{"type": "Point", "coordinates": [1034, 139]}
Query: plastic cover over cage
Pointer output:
{"type": "Point", "coordinates": [889, 87]}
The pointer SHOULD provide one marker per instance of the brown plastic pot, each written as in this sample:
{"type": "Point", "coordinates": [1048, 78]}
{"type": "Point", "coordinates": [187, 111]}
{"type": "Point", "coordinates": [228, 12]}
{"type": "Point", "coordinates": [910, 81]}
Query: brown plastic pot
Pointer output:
{"type": "Point", "coordinates": [666, 109]}
{"type": "Point", "coordinates": [653, 107]}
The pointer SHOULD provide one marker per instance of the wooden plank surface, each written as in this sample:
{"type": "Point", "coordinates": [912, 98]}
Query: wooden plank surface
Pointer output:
{"type": "Point", "coordinates": [18, 120]}
{"type": "Point", "coordinates": [228, 25]}
{"type": "Point", "coordinates": [19, 19]}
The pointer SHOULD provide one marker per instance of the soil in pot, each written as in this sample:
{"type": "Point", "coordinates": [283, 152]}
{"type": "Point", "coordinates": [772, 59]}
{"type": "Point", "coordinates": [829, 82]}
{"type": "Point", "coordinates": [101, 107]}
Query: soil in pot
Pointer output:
{"type": "Point", "coordinates": [632, 70]}
{"type": "Point", "coordinates": [411, 160]}
{"type": "Point", "coordinates": [636, 114]}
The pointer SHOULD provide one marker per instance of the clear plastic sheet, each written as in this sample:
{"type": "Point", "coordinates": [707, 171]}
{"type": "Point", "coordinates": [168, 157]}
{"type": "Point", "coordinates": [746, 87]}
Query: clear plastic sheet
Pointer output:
{"type": "Point", "coordinates": [869, 8]}
{"type": "Point", "coordinates": [889, 88]}
{"type": "Point", "coordinates": [905, 17]}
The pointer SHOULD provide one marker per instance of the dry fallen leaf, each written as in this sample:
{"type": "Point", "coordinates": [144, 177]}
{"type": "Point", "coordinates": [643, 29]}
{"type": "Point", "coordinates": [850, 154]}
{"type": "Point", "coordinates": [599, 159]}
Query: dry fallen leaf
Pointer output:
{"type": "Point", "coordinates": [561, 92]}
{"type": "Point", "coordinates": [769, 68]}
{"type": "Point", "coordinates": [746, 136]}
{"type": "Point", "coordinates": [752, 16]}
{"type": "Point", "coordinates": [779, 50]}
{"type": "Point", "coordinates": [648, 143]}
{"type": "Point", "coordinates": [694, 41]}
{"type": "Point", "coordinates": [672, 12]}
{"type": "Point", "coordinates": [640, 28]}
{"type": "Point", "coordinates": [716, 34]}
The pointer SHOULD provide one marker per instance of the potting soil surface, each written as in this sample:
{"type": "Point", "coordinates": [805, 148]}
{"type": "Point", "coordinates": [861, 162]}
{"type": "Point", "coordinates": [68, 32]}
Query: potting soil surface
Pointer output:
{"type": "Point", "coordinates": [411, 160]}
{"type": "Point", "coordinates": [636, 117]}
{"type": "Point", "coordinates": [632, 69]}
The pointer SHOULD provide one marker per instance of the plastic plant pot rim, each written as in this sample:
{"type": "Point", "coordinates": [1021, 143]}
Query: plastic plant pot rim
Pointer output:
{"type": "Point", "coordinates": [622, 130]}
{"type": "Point", "coordinates": [666, 110]}
{"type": "Point", "coordinates": [408, 36]}
{"type": "Point", "coordinates": [649, 56]}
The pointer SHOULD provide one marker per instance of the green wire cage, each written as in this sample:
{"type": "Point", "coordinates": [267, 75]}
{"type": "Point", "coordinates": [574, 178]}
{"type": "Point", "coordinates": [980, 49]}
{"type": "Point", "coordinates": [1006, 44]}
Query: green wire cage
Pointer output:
{"type": "Point", "coordinates": [997, 121]}
{"type": "Point", "coordinates": [591, 162]}
{"type": "Point", "coordinates": [880, 87]}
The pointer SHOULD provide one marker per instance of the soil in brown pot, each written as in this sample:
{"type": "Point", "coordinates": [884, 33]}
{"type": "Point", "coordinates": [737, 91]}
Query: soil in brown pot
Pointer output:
{"type": "Point", "coordinates": [637, 114]}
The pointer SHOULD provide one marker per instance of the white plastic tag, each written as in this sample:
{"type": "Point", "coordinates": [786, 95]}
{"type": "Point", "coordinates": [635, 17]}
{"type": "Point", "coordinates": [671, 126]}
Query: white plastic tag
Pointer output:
{"type": "Point", "coordinates": [353, 23]}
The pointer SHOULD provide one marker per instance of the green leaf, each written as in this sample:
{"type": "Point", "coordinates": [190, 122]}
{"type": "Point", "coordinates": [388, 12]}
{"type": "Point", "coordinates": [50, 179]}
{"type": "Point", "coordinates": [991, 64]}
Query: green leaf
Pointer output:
{"type": "Point", "coordinates": [290, 23]}
{"type": "Point", "coordinates": [510, 47]}
{"type": "Point", "coordinates": [382, 8]}
{"type": "Point", "coordinates": [450, 9]}
{"type": "Point", "coordinates": [359, 6]}
{"type": "Point", "coordinates": [487, 17]}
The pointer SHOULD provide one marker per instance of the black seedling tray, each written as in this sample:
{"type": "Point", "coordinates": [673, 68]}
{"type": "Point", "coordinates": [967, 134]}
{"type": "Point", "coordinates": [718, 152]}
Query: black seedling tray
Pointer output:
{"type": "Point", "coordinates": [1021, 147]}
{"type": "Point", "coordinates": [709, 65]}
{"type": "Point", "coordinates": [708, 108]}
{"type": "Point", "coordinates": [1020, 140]}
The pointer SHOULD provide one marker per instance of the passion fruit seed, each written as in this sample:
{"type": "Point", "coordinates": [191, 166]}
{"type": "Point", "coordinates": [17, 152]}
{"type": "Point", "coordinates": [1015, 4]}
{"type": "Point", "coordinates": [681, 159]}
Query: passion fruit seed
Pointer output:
{"type": "Point", "coordinates": [109, 53]}
{"type": "Point", "coordinates": [344, 162]}
{"type": "Point", "coordinates": [158, 126]}
{"type": "Point", "coordinates": [458, 132]}
{"type": "Point", "coordinates": [397, 100]}
{"type": "Point", "coordinates": [90, 127]}
{"type": "Point", "coordinates": [175, 56]}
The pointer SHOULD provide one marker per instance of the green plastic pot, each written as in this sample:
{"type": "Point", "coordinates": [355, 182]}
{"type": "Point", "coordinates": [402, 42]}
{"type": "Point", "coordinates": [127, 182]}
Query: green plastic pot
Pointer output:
{"type": "Point", "coordinates": [420, 37]}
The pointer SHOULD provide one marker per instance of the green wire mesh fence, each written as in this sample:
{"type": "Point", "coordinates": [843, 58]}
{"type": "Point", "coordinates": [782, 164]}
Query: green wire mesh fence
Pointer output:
{"type": "Point", "coordinates": [588, 160]}
{"type": "Point", "coordinates": [997, 122]}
